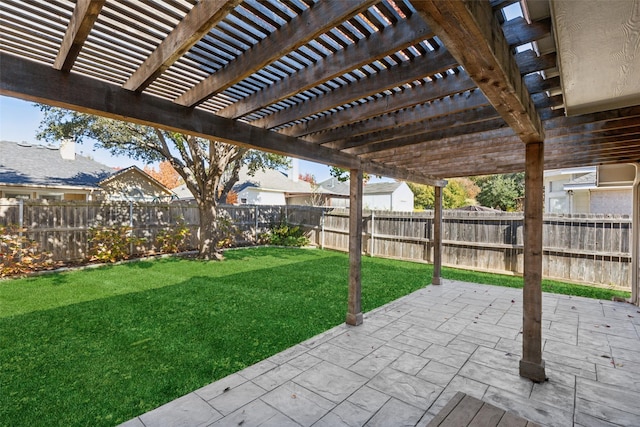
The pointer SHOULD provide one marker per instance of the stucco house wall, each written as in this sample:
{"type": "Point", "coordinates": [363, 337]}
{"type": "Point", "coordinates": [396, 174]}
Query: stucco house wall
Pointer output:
{"type": "Point", "coordinates": [612, 201]}
{"type": "Point", "coordinates": [133, 184]}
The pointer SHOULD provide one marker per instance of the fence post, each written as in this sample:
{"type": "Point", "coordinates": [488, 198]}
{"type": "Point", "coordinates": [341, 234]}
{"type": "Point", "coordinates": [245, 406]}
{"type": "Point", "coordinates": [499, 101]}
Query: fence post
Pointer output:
{"type": "Point", "coordinates": [255, 234]}
{"type": "Point", "coordinates": [20, 222]}
{"type": "Point", "coordinates": [20, 215]}
{"type": "Point", "coordinates": [373, 234]}
{"type": "Point", "coordinates": [322, 230]}
{"type": "Point", "coordinates": [131, 226]}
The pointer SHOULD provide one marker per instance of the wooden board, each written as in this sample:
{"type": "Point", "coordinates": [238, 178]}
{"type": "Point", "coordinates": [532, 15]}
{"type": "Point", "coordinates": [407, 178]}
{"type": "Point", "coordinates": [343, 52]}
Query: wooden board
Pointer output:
{"type": "Point", "coordinates": [463, 410]}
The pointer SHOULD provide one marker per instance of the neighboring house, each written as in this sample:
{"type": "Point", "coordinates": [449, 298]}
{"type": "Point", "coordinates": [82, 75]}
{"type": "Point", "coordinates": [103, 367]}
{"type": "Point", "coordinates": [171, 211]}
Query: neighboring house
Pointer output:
{"type": "Point", "coordinates": [42, 172]}
{"type": "Point", "coordinates": [597, 189]}
{"type": "Point", "coordinates": [134, 184]}
{"type": "Point", "coordinates": [266, 187]}
{"type": "Point", "coordinates": [380, 196]}
{"type": "Point", "coordinates": [29, 171]}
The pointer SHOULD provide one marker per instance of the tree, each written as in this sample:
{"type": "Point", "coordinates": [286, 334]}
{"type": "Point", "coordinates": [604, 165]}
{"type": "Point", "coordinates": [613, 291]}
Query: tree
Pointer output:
{"type": "Point", "coordinates": [423, 196]}
{"type": "Point", "coordinates": [209, 168]}
{"type": "Point", "coordinates": [454, 195]}
{"type": "Point", "coordinates": [500, 191]}
{"type": "Point", "coordinates": [343, 175]}
{"type": "Point", "coordinates": [165, 175]}
{"type": "Point", "coordinates": [307, 177]}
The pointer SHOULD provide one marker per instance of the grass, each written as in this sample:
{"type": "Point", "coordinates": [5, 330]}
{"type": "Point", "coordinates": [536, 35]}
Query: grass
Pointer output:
{"type": "Point", "coordinates": [552, 286]}
{"type": "Point", "coordinates": [98, 347]}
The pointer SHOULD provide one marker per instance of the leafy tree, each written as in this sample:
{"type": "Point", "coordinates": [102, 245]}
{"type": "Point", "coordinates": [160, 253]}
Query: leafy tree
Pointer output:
{"type": "Point", "coordinates": [307, 177]}
{"type": "Point", "coordinates": [423, 196]}
{"type": "Point", "coordinates": [165, 175]}
{"type": "Point", "coordinates": [209, 168]}
{"type": "Point", "coordinates": [343, 175]}
{"type": "Point", "coordinates": [232, 198]}
{"type": "Point", "coordinates": [500, 191]}
{"type": "Point", "coordinates": [454, 195]}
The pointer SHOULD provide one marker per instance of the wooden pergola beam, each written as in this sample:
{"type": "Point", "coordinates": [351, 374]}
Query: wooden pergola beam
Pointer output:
{"type": "Point", "coordinates": [518, 31]}
{"type": "Point", "coordinates": [84, 16]}
{"type": "Point", "coordinates": [417, 95]}
{"type": "Point", "coordinates": [36, 82]}
{"type": "Point", "coordinates": [417, 132]}
{"type": "Point", "coordinates": [389, 78]}
{"type": "Point", "coordinates": [305, 27]}
{"type": "Point", "coordinates": [473, 35]}
{"type": "Point", "coordinates": [490, 122]}
{"type": "Point", "coordinates": [195, 25]}
{"type": "Point", "coordinates": [419, 113]}
{"type": "Point", "coordinates": [378, 45]}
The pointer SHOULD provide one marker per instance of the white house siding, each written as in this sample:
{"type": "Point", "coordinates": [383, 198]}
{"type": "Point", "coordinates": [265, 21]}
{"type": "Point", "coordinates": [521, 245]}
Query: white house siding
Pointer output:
{"type": "Point", "coordinates": [402, 199]}
{"type": "Point", "coordinates": [581, 201]}
{"type": "Point", "coordinates": [251, 196]}
{"type": "Point", "coordinates": [378, 202]}
{"type": "Point", "coordinates": [612, 201]}
{"type": "Point", "coordinates": [303, 200]}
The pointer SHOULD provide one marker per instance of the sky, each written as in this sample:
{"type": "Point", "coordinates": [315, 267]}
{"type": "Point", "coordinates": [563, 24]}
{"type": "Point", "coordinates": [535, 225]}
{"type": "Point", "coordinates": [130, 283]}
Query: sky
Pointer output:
{"type": "Point", "coordinates": [19, 121]}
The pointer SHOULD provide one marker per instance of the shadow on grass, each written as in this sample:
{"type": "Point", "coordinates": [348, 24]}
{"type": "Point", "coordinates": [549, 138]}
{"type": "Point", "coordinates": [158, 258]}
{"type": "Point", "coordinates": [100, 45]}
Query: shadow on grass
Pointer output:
{"type": "Point", "coordinates": [44, 292]}
{"type": "Point", "coordinates": [104, 361]}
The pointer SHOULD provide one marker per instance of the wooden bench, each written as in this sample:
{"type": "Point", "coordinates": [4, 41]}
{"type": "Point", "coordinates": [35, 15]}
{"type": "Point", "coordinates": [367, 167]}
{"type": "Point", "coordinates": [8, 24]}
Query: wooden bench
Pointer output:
{"type": "Point", "coordinates": [464, 410]}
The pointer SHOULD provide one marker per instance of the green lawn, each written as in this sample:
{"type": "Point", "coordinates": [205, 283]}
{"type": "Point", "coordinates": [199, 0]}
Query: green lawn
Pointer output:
{"type": "Point", "coordinates": [100, 346]}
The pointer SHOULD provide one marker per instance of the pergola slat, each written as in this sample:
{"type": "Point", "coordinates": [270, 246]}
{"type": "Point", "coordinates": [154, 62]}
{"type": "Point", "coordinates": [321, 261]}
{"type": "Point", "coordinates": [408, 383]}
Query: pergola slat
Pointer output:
{"type": "Point", "coordinates": [418, 94]}
{"type": "Point", "coordinates": [307, 26]}
{"type": "Point", "coordinates": [81, 23]}
{"type": "Point", "coordinates": [389, 78]}
{"type": "Point", "coordinates": [376, 46]}
{"type": "Point", "coordinates": [191, 29]}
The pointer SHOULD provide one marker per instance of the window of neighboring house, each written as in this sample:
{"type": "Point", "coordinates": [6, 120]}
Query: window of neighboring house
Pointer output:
{"type": "Point", "coordinates": [10, 195]}
{"type": "Point", "coordinates": [243, 200]}
{"type": "Point", "coordinates": [51, 196]}
{"type": "Point", "coordinates": [558, 205]}
{"type": "Point", "coordinates": [73, 196]}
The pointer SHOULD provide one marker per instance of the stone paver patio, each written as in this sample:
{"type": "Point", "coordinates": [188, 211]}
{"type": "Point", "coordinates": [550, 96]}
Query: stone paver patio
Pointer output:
{"type": "Point", "coordinates": [411, 356]}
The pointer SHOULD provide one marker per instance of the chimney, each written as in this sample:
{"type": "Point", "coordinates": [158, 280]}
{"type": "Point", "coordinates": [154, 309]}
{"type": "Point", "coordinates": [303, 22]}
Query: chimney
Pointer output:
{"type": "Point", "coordinates": [68, 149]}
{"type": "Point", "coordinates": [293, 170]}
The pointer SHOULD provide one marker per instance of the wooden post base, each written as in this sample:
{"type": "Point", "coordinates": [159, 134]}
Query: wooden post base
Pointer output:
{"type": "Point", "coordinates": [533, 371]}
{"type": "Point", "coordinates": [436, 280]}
{"type": "Point", "coordinates": [354, 319]}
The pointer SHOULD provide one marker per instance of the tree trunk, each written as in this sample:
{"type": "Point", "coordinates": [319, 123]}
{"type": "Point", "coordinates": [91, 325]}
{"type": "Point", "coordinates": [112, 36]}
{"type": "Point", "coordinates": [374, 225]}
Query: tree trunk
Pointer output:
{"type": "Point", "coordinates": [208, 232]}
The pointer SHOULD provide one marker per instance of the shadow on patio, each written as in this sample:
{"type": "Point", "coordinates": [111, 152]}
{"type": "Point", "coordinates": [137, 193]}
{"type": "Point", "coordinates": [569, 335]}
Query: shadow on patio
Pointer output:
{"type": "Point", "coordinates": [410, 357]}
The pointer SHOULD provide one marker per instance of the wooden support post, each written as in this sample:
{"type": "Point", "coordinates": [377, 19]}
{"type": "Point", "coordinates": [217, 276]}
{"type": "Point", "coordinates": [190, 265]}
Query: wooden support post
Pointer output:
{"type": "Point", "coordinates": [437, 236]}
{"type": "Point", "coordinates": [635, 239]}
{"type": "Point", "coordinates": [531, 364]}
{"type": "Point", "coordinates": [354, 313]}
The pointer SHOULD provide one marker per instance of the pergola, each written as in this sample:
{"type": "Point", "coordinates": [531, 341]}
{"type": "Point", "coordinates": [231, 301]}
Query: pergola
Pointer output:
{"type": "Point", "coordinates": [420, 90]}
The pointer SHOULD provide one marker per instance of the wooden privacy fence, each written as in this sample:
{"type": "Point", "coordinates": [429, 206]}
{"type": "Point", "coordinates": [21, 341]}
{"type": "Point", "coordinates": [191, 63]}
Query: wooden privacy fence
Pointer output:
{"type": "Point", "coordinates": [593, 249]}
{"type": "Point", "coordinates": [62, 228]}
{"type": "Point", "coordinates": [584, 248]}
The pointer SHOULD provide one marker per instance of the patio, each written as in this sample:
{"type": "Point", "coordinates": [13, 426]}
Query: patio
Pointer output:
{"type": "Point", "coordinates": [410, 357]}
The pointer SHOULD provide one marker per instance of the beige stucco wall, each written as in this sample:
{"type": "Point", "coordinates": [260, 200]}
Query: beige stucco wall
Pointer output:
{"type": "Point", "coordinates": [131, 185]}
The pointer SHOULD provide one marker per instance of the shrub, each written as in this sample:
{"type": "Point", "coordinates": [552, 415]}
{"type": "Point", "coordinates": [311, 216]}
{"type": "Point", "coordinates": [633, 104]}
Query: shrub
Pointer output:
{"type": "Point", "coordinates": [111, 244]}
{"type": "Point", "coordinates": [227, 232]}
{"type": "Point", "coordinates": [18, 254]}
{"type": "Point", "coordinates": [285, 234]}
{"type": "Point", "coordinates": [173, 239]}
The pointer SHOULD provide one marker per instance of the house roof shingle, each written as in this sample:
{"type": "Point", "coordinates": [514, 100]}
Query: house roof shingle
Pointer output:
{"type": "Point", "coordinates": [26, 164]}
{"type": "Point", "coordinates": [334, 186]}
{"type": "Point", "coordinates": [269, 179]}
